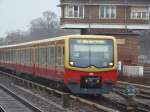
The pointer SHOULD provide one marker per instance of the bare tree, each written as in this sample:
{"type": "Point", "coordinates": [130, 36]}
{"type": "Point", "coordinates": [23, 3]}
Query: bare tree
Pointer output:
{"type": "Point", "coordinates": [38, 29]}
{"type": "Point", "coordinates": [43, 27]}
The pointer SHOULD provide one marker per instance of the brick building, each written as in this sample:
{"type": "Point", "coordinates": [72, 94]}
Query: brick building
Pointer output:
{"type": "Point", "coordinates": [120, 18]}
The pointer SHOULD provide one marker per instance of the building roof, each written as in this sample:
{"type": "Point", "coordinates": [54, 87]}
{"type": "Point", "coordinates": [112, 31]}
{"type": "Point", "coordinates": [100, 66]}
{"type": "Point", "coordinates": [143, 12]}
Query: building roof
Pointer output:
{"type": "Point", "coordinates": [106, 2]}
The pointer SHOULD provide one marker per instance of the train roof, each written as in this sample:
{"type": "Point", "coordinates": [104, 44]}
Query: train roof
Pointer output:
{"type": "Point", "coordinates": [33, 42]}
{"type": "Point", "coordinates": [52, 39]}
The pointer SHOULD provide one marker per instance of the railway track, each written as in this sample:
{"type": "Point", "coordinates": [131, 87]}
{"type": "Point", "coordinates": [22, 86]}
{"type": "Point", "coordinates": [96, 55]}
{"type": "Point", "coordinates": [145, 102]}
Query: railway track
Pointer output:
{"type": "Point", "coordinates": [63, 101]}
{"type": "Point", "coordinates": [10, 102]}
{"type": "Point", "coordinates": [142, 96]}
{"type": "Point", "coordinates": [68, 102]}
{"type": "Point", "coordinates": [143, 91]}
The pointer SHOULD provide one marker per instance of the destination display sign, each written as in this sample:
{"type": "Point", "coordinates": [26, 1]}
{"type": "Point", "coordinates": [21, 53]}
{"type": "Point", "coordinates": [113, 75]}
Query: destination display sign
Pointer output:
{"type": "Point", "coordinates": [87, 41]}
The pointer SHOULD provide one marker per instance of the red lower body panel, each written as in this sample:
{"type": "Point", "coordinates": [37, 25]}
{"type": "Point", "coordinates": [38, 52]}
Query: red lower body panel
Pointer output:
{"type": "Point", "coordinates": [90, 82]}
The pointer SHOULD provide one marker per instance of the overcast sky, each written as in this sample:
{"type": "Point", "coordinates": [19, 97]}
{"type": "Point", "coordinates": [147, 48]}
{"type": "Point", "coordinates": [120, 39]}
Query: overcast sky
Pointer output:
{"type": "Point", "coordinates": [17, 14]}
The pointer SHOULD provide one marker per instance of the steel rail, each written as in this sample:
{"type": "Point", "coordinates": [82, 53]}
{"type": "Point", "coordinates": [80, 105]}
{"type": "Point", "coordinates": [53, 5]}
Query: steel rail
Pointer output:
{"type": "Point", "coordinates": [20, 99]}
{"type": "Point", "coordinates": [65, 97]}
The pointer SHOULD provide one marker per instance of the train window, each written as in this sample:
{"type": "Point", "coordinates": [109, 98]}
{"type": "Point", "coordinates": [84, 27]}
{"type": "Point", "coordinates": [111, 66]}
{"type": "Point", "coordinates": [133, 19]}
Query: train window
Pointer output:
{"type": "Point", "coordinates": [5, 55]}
{"type": "Point", "coordinates": [48, 56]}
{"type": "Point", "coordinates": [0, 55]}
{"type": "Point", "coordinates": [11, 55]}
{"type": "Point", "coordinates": [36, 56]}
{"type": "Point", "coordinates": [42, 56]}
{"type": "Point", "coordinates": [28, 56]}
{"type": "Point", "coordinates": [21, 56]}
{"type": "Point", "coordinates": [62, 56]}
{"type": "Point", "coordinates": [8, 55]}
{"type": "Point", "coordinates": [56, 52]}
{"type": "Point", "coordinates": [53, 56]}
{"type": "Point", "coordinates": [18, 57]}
{"type": "Point", "coordinates": [24, 56]}
{"type": "Point", "coordinates": [58, 55]}
{"type": "Point", "coordinates": [15, 55]}
{"type": "Point", "coordinates": [31, 56]}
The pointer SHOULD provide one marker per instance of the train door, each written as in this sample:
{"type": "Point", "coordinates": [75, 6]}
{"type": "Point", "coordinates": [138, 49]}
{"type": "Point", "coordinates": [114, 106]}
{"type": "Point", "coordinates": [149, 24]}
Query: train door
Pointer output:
{"type": "Point", "coordinates": [36, 60]}
{"type": "Point", "coordinates": [59, 61]}
{"type": "Point", "coordinates": [51, 61]}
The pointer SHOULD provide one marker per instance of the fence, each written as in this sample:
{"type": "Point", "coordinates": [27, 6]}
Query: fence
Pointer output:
{"type": "Point", "coordinates": [133, 71]}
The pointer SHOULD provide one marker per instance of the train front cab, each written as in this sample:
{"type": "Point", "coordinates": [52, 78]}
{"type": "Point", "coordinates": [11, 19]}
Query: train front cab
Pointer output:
{"type": "Point", "coordinates": [90, 64]}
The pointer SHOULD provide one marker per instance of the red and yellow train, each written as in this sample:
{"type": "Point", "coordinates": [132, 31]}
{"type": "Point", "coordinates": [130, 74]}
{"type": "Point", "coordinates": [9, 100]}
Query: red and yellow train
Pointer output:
{"type": "Point", "coordinates": [86, 64]}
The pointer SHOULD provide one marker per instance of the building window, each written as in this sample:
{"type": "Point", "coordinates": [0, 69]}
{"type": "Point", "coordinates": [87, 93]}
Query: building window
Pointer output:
{"type": "Point", "coordinates": [107, 12]}
{"type": "Point", "coordinates": [74, 11]}
{"type": "Point", "coordinates": [139, 13]}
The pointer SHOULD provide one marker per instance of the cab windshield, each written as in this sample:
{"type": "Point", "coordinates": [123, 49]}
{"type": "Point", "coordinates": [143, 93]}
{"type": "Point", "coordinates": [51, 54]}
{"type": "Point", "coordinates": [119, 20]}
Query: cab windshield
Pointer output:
{"type": "Point", "coordinates": [91, 52]}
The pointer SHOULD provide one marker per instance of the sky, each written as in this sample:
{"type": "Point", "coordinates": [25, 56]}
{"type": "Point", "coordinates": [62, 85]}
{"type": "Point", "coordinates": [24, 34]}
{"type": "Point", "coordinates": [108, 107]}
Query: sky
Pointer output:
{"type": "Point", "coordinates": [17, 14]}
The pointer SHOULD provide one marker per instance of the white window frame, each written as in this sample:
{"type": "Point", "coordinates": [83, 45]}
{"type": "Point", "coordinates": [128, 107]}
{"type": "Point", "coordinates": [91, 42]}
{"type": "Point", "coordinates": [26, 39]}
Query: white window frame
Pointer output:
{"type": "Point", "coordinates": [66, 11]}
{"type": "Point", "coordinates": [110, 11]}
{"type": "Point", "coordinates": [139, 10]}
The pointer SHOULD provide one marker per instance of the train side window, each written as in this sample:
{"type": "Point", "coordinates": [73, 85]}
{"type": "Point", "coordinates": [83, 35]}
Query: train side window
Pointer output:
{"type": "Point", "coordinates": [14, 56]}
{"type": "Point", "coordinates": [62, 56]}
{"type": "Point", "coordinates": [42, 56]}
{"type": "Point", "coordinates": [37, 56]}
{"type": "Point", "coordinates": [52, 56]}
{"type": "Point", "coordinates": [22, 56]}
{"type": "Point", "coordinates": [28, 55]}
{"type": "Point", "coordinates": [56, 53]}
{"type": "Point", "coordinates": [58, 56]}
{"type": "Point", "coordinates": [49, 56]}
{"type": "Point", "coordinates": [31, 56]}
{"type": "Point", "coordinates": [7, 56]}
{"type": "Point", "coordinates": [18, 56]}
{"type": "Point", "coordinates": [11, 55]}
{"type": "Point", "coordinates": [4, 55]}
{"type": "Point", "coordinates": [25, 57]}
{"type": "Point", "coordinates": [0, 55]}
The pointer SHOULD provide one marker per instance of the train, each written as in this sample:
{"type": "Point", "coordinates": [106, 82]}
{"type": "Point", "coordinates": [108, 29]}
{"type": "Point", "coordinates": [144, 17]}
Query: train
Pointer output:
{"type": "Point", "coordinates": [85, 64]}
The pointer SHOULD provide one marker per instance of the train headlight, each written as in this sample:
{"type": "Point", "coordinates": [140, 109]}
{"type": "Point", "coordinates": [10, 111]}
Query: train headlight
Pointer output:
{"type": "Point", "coordinates": [110, 64]}
{"type": "Point", "coordinates": [71, 63]}
{"type": "Point", "coordinates": [86, 81]}
{"type": "Point", "coordinates": [97, 81]}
